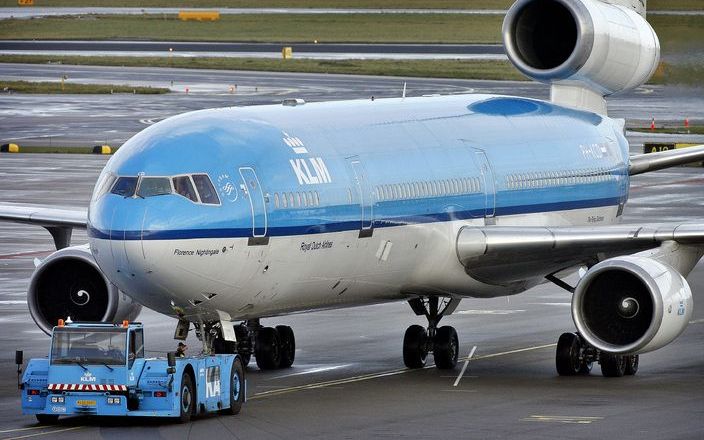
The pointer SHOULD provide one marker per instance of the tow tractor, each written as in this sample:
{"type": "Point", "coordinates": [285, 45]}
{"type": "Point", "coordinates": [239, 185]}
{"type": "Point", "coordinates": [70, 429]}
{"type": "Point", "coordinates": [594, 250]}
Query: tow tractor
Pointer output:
{"type": "Point", "coordinates": [100, 369]}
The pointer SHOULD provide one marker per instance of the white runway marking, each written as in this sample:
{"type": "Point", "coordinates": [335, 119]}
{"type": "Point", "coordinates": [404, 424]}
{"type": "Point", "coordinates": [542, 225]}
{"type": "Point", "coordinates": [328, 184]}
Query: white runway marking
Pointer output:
{"type": "Point", "coordinates": [314, 370]}
{"type": "Point", "coordinates": [12, 303]}
{"type": "Point", "coordinates": [371, 376]}
{"type": "Point", "coordinates": [488, 312]}
{"type": "Point", "coordinates": [464, 367]}
{"type": "Point", "coordinates": [697, 321]}
{"type": "Point", "coordinates": [44, 433]}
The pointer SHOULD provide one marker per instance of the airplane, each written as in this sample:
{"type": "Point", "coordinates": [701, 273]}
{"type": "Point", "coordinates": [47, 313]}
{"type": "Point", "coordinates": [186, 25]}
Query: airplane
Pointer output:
{"type": "Point", "coordinates": [223, 217]}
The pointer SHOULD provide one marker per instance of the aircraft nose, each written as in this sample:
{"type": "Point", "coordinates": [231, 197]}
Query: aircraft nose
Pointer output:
{"type": "Point", "coordinates": [125, 235]}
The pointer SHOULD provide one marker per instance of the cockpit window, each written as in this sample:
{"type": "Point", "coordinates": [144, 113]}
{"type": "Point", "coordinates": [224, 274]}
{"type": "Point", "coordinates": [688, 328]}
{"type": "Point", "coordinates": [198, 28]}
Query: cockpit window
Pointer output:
{"type": "Point", "coordinates": [205, 189]}
{"type": "Point", "coordinates": [154, 186]}
{"type": "Point", "coordinates": [104, 185]}
{"type": "Point", "coordinates": [125, 186]}
{"type": "Point", "coordinates": [184, 187]}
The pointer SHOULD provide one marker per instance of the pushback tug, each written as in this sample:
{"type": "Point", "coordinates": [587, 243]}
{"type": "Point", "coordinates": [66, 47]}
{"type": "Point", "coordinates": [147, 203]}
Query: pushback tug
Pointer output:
{"type": "Point", "coordinates": [100, 370]}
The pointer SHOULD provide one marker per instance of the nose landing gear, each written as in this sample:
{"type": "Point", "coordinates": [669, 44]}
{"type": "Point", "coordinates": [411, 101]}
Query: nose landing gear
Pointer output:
{"type": "Point", "coordinates": [442, 342]}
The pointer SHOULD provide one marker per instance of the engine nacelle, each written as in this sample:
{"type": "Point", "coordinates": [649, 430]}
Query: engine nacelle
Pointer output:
{"type": "Point", "coordinates": [608, 48]}
{"type": "Point", "coordinates": [69, 283]}
{"type": "Point", "coordinates": [631, 305]}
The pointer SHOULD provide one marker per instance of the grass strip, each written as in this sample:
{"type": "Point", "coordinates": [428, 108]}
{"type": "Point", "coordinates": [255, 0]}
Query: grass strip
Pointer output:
{"type": "Point", "coordinates": [338, 4]}
{"type": "Point", "coordinates": [694, 129]}
{"type": "Point", "coordinates": [375, 4]}
{"type": "Point", "coordinates": [72, 88]}
{"type": "Point", "coordinates": [460, 69]}
{"type": "Point", "coordinates": [60, 149]}
{"type": "Point", "coordinates": [284, 29]}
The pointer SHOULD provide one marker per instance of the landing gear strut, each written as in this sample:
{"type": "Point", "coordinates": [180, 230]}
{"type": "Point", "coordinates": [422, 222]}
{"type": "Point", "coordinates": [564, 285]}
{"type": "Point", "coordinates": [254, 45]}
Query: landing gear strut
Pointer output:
{"type": "Point", "coordinates": [442, 342]}
{"type": "Point", "coordinates": [574, 356]}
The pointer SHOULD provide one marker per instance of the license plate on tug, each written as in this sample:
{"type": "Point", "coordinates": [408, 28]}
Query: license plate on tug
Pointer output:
{"type": "Point", "coordinates": [85, 402]}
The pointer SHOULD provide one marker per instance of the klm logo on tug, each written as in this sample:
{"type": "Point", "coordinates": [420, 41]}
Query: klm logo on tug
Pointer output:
{"type": "Point", "coordinates": [88, 377]}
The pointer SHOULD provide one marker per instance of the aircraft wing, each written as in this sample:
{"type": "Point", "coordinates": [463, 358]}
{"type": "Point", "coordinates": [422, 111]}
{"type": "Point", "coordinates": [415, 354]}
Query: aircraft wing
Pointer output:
{"type": "Point", "coordinates": [643, 163]}
{"type": "Point", "coordinates": [508, 254]}
{"type": "Point", "coordinates": [58, 221]}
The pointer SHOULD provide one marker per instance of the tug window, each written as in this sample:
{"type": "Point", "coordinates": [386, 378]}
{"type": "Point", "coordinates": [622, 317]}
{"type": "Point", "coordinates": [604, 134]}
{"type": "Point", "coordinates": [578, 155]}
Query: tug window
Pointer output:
{"type": "Point", "coordinates": [184, 187]}
{"type": "Point", "coordinates": [205, 189]}
{"type": "Point", "coordinates": [125, 186]}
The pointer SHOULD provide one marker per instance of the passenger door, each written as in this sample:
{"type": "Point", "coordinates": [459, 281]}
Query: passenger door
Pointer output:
{"type": "Point", "coordinates": [254, 193]}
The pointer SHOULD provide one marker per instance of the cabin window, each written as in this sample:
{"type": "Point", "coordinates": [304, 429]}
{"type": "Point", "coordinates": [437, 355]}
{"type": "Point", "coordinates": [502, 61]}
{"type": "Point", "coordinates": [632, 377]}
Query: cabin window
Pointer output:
{"type": "Point", "coordinates": [154, 186]}
{"type": "Point", "coordinates": [309, 196]}
{"type": "Point", "coordinates": [125, 186]}
{"type": "Point", "coordinates": [317, 198]}
{"type": "Point", "coordinates": [205, 189]}
{"type": "Point", "coordinates": [276, 200]}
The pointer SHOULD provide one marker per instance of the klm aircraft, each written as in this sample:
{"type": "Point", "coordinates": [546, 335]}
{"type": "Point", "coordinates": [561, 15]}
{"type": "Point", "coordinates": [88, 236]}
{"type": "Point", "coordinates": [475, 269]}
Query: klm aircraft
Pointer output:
{"type": "Point", "coordinates": [222, 217]}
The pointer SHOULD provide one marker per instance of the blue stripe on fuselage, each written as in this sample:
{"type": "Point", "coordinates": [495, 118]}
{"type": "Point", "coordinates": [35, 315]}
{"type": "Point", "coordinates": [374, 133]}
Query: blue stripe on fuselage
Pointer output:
{"type": "Point", "coordinates": [330, 227]}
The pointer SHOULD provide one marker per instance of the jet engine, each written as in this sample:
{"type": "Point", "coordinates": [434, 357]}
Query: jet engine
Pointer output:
{"type": "Point", "coordinates": [631, 305]}
{"type": "Point", "coordinates": [608, 48]}
{"type": "Point", "coordinates": [69, 283]}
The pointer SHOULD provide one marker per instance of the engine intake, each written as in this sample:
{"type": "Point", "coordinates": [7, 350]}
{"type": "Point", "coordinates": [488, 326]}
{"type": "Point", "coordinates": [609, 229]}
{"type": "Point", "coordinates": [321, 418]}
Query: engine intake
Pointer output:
{"type": "Point", "coordinates": [609, 48]}
{"type": "Point", "coordinates": [631, 305]}
{"type": "Point", "coordinates": [69, 283]}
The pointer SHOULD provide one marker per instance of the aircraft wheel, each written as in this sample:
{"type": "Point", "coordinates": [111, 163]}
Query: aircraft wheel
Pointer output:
{"type": "Point", "coordinates": [237, 389]}
{"type": "Point", "coordinates": [47, 419]}
{"type": "Point", "coordinates": [245, 357]}
{"type": "Point", "coordinates": [187, 398]}
{"type": "Point", "coordinates": [612, 365]}
{"type": "Point", "coordinates": [287, 345]}
{"type": "Point", "coordinates": [567, 355]}
{"type": "Point", "coordinates": [632, 362]}
{"type": "Point", "coordinates": [415, 347]}
{"type": "Point", "coordinates": [446, 348]}
{"type": "Point", "coordinates": [267, 349]}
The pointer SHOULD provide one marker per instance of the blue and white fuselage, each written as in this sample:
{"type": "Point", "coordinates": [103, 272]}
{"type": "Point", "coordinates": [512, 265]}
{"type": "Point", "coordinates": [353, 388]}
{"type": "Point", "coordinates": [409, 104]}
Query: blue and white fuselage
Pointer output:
{"type": "Point", "coordinates": [342, 203]}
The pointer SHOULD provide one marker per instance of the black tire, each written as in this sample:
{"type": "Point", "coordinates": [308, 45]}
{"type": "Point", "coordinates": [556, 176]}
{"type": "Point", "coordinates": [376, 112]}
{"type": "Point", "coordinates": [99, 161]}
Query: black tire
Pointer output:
{"type": "Point", "coordinates": [267, 349]}
{"type": "Point", "coordinates": [567, 360]}
{"type": "Point", "coordinates": [632, 363]}
{"type": "Point", "coordinates": [47, 419]}
{"type": "Point", "coordinates": [187, 398]}
{"type": "Point", "coordinates": [446, 347]}
{"type": "Point", "coordinates": [245, 357]}
{"type": "Point", "coordinates": [415, 347]}
{"type": "Point", "coordinates": [221, 346]}
{"type": "Point", "coordinates": [287, 346]}
{"type": "Point", "coordinates": [237, 389]}
{"type": "Point", "coordinates": [612, 365]}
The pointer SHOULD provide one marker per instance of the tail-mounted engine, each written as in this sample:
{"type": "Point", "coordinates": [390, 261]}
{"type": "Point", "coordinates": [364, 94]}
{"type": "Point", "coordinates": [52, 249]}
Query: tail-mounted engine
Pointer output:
{"type": "Point", "coordinates": [631, 305]}
{"type": "Point", "coordinates": [604, 47]}
{"type": "Point", "coordinates": [69, 283]}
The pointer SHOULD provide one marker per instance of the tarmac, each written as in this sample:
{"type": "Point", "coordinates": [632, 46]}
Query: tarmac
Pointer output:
{"type": "Point", "coordinates": [112, 119]}
{"type": "Point", "coordinates": [348, 380]}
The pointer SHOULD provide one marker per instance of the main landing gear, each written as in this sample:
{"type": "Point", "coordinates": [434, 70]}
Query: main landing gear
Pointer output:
{"type": "Point", "coordinates": [574, 356]}
{"type": "Point", "coordinates": [272, 347]}
{"type": "Point", "coordinates": [442, 342]}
